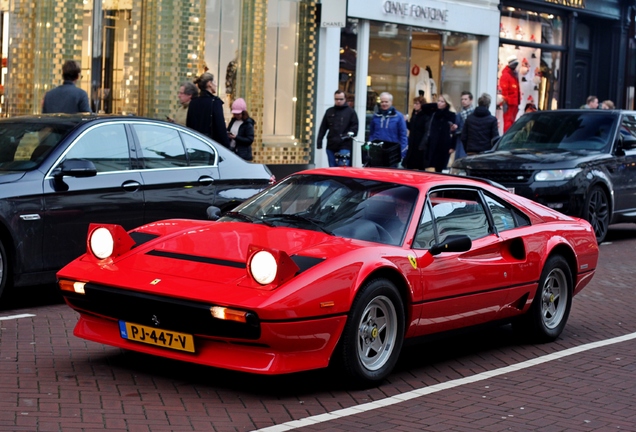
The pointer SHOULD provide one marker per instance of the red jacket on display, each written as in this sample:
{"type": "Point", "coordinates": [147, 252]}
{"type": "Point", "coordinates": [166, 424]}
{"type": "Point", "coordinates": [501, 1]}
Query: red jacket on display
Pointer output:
{"type": "Point", "coordinates": [509, 83]}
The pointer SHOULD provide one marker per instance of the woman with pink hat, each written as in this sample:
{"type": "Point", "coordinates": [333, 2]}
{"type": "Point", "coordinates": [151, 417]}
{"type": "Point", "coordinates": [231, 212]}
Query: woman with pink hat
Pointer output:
{"type": "Point", "coordinates": [240, 131]}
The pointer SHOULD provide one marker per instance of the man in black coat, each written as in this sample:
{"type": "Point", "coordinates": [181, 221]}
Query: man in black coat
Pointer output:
{"type": "Point", "coordinates": [205, 113]}
{"type": "Point", "coordinates": [339, 120]}
{"type": "Point", "coordinates": [480, 128]}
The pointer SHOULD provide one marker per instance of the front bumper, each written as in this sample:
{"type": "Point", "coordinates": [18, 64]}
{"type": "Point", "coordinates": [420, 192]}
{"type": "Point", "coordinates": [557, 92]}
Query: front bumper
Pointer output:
{"type": "Point", "coordinates": [283, 347]}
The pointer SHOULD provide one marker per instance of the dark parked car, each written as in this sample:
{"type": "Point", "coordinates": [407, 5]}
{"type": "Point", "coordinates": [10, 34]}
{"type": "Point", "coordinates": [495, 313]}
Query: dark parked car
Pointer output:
{"type": "Point", "coordinates": [580, 162]}
{"type": "Point", "coordinates": [59, 173]}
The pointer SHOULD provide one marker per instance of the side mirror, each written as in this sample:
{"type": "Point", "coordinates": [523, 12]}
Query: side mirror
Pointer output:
{"type": "Point", "coordinates": [75, 168]}
{"type": "Point", "coordinates": [453, 243]}
{"type": "Point", "coordinates": [213, 213]}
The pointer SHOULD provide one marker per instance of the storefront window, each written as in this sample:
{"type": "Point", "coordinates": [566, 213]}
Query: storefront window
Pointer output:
{"type": "Point", "coordinates": [389, 52]}
{"type": "Point", "coordinates": [535, 39]}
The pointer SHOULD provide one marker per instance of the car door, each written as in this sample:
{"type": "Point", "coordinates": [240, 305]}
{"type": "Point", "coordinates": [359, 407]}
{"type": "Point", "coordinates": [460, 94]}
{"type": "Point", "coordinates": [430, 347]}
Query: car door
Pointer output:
{"type": "Point", "coordinates": [114, 195]}
{"type": "Point", "coordinates": [459, 289]}
{"type": "Point", "coordinates": [179, 171]}
{"type": "Point", "coordinates": [623, 171]}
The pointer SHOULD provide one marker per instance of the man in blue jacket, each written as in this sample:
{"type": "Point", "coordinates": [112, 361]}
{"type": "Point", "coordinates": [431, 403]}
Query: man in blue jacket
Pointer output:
{"type": "Point", "coordinates": [388, 125]}
{"type": "Point", "coordinates": [67, 98]}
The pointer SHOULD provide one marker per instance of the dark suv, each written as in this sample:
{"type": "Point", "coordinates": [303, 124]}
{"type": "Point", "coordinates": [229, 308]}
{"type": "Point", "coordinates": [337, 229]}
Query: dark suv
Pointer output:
{"type": "Point", "coordinates": [580, 162]}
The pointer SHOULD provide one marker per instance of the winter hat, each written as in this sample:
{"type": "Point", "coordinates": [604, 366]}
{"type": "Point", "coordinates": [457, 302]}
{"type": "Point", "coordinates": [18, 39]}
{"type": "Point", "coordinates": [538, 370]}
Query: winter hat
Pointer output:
{"type": "Point", "coordinates": [512, 59]}
{"type": "Point", "coordinates": [238, 106]}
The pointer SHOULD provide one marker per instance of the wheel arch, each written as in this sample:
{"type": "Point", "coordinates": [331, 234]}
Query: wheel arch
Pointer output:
{"type": "Point", "coordinates": [568, 254]}
{"type": "Point", "coordinates": [401, 284]}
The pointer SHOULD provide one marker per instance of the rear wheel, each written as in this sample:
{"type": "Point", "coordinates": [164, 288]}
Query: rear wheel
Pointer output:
{"type": "Point", "coordinates": [550, 308]}
{"type": "Point", "coordinates": [597, 212]}
{"type": "Point", "coordinates": [373, 336]}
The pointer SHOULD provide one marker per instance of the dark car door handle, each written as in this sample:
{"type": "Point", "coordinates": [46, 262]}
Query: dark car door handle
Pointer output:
{"type": "Point", "coordinates": [131, 186]}
{"type": "Point", "coordinates": [206, 180]}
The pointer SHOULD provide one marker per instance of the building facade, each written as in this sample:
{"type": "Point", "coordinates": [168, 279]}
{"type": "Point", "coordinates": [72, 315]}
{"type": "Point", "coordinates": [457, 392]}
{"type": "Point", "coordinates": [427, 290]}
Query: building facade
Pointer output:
{"type": "Point", "coordinates": [285, 60]}
{"type": "Point", "coordinates": [135, 54]}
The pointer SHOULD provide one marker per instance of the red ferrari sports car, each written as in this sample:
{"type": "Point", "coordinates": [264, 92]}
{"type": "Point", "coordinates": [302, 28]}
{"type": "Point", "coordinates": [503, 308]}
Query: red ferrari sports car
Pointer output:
{"type": "Point", "coordinates": [332, 266]}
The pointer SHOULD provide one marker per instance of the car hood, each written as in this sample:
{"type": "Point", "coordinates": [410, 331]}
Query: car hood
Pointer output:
{"type": "Point", "coordinates": [10, 176]}
{"type": "Point", "coordinates": [218, 251]}
{"type": "Point", "coordinates": [524, 159]}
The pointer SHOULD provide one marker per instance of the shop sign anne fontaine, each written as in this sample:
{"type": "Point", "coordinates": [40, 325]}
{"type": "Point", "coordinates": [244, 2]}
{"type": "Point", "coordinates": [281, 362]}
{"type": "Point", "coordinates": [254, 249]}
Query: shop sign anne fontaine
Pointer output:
{"type": "Point", "coordinates": [415, 11]}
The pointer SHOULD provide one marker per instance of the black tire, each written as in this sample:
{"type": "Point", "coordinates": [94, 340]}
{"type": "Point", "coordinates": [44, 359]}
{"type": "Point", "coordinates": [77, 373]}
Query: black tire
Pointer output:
{"type": "Point", "coordinates": [597, 212]}
{"type": "Point", "coordinates": [373, 336]}
{"type": "Point", "coordinates": [4, 271]}
{"type": "Point", "coordinates": [551, 306]}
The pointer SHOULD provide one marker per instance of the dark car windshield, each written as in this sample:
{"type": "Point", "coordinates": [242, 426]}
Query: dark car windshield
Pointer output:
{"type": "Point", "coordinates": [582, 130]}
{"type": "Point", "coordinates": [23, 145]}
{"type": "Point", "coordinates": [345, 207]}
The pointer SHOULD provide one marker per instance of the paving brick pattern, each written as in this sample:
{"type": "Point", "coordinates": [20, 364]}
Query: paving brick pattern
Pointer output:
{"type": "Point", "coordinates": [53, 381]}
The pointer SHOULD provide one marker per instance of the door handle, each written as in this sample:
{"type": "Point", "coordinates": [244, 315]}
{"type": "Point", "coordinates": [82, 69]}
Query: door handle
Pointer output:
{"type": "Point", "coordinates": [131, 186]}
{"type": "Point", "coordinates": [206, 180]}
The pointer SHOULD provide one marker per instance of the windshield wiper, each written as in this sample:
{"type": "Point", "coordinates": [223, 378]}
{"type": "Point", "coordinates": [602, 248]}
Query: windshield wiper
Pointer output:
{"type": "Point", "coordinates": [296, 217]}
{"type": "Point", "coordinates": [246, 218]}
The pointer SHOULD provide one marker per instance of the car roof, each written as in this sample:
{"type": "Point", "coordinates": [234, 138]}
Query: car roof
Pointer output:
{"type": "Point", "coordinates": [73, 119]}
{"type": "Point", "coordinates": [401, 176]}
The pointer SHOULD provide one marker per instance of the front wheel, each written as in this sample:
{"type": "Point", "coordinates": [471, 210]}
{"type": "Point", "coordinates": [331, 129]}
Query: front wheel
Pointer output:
{"type": "Point", "coordinates": [550, 308]}
{"type": "Point", "coordinates": [597, 212]}
{"type": "Point", "coordinates": [373, 336]}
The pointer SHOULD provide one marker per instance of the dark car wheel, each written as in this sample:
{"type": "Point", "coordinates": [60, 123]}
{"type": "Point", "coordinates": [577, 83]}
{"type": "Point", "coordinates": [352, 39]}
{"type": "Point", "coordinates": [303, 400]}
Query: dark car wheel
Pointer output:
{"type": "Point", "coordinates": [596, 212]}
{"type": "Point", "coordinates": [4, 270]}
{"type": "Point", "coordinates": [373, 336]}
{"type": "Point", "coordinates": [550, 308]}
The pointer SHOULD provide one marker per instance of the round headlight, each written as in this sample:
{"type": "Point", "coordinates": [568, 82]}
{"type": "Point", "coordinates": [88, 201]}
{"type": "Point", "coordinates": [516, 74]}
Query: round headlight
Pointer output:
{"type": "Point", "coordinates": [263, 267]}
{"type": "Point", "coordinates": [102, 243]}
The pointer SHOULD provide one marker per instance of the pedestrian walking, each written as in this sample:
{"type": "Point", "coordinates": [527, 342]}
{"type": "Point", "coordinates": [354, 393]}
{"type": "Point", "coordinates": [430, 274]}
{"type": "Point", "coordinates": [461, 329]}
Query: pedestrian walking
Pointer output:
{"type": "Point", "coordinates": [240, 131]}
{"type": "Point", "coordinates": [480, 128]}
{"type": "Point", "coordinates": [509, 85]}
{"type": "Point", "coordinates": [187, 91]}
{"type": "Point", "coordinates": [389, 126]}
{"type": "Point", "coordinates": [417, 126]}
{"type": "Point", "coordinates": [441, 138]}
{"type": "Point", "coordinates": [467, 109]}
{"type": "Point", "coordinates": [338, 121]}
{"type": "Point", "coordinates": [205, 113]}
{"type": "Point", "coordinates": [67, 98]}
{"type": "Point", "coordinates": [607, 104]}
{"type": "Point", "coordinates": [590, 103]}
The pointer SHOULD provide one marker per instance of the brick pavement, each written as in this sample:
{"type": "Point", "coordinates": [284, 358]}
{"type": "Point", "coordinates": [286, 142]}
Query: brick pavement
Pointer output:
{"type": "Point", "coordinates": [50, 380]}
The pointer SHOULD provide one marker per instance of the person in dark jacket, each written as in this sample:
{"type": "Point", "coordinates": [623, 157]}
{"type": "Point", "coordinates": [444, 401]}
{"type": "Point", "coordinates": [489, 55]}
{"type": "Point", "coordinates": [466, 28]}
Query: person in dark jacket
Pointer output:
{"type": "Point", "coordinates": [67, 98]}
{"type": "Point", "coordinates": [339, 120]}
{"type": "Point", "coordinates": [441, 139]}
{"type": "Point", "coordinates": [240, 131]}
{"type": "Point", "coordinates": [480, 128]}
{"type": "Point", "coordinates": [418, 129]}
{"type": "Point", "coordinates": [205, 113]}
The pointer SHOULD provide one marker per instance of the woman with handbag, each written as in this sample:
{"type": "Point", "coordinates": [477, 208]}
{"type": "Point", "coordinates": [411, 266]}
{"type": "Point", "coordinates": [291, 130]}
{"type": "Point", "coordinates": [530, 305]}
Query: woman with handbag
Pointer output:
{"type": "Point", "coordinates": [442, 139]}
{"type": "Point", "coordinates": [418, 132]}
{"type": "Point", "coordinates": [205, 113]}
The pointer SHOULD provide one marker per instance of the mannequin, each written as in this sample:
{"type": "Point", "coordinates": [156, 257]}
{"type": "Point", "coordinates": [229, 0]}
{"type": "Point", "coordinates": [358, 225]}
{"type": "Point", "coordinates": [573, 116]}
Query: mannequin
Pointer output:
{"type": "Point", "coordinates": [509, 84]}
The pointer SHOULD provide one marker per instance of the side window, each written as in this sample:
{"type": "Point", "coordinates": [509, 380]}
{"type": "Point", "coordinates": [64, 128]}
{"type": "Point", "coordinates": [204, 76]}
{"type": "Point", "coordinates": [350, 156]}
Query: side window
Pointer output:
{"type": "Point", "coordinates": [628, 132]}
{"type": "Point", "coordinates": [425, 235]}
{"type": "Point", "coordinates": [199, 152]}
{"type": "Point", "coordinates": [106, 146]}
{"type": "Point", "coordinates": [454, 212]}
{"type": "Point", "coordinates": [502, 216]}
{"type": "Point", "coordinates": [161, 147]}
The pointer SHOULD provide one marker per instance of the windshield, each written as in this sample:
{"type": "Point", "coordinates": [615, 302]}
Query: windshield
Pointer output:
{"type": "Point", "coordinates": [344, 207]}
{"type": "Point", "coordinates": [23, 145]}
{"type": "Point", "coordinates": [584, 130]}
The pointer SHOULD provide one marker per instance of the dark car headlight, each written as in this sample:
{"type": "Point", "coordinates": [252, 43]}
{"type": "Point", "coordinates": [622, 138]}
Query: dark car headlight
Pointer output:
{"type": "Point", "coordinates": [557, 175]}
{"type": "Point", "coordinates": [458, 171]}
